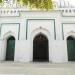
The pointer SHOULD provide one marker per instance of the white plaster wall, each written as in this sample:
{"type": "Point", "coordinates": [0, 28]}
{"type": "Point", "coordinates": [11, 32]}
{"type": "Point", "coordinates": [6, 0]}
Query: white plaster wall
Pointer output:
{"type": "Point", "coordinates": [9, 28]}
{"type": "Point", "coordinates": [22, 19]}
{"type": "Point", "coordinates": [59, 51]}
{"type": "Point", "coordinates": [2, 50]}
{"type": "Point", "coordinates": [46, 25]}
{"type": "Point", "coordinates": [68, 30]}
{"type": "Point", "coordinates": [22, 51]}
{"type": "Point", "coordinates": [45, 15]}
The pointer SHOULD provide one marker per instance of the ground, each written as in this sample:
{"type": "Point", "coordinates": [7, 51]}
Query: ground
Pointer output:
{"type": "Point", "coordinates": [37, 68]}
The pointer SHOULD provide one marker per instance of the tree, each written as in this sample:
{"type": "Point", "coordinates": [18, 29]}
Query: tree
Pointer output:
{"type": "Point", "coordinates": [39, 4]}
{"type": "Point", "coordinates": [0, 1]}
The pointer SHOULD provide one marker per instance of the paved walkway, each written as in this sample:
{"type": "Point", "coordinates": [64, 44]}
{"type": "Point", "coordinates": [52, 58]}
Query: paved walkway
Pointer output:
{"type": "Point", "coordinates": [37, 68]}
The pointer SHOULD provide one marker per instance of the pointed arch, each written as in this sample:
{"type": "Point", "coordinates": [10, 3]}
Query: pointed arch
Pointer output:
{"type": "Point", "coordinates": [7, 35]}
{"type": "Point", "coordinates": [71, 48]}
{"type": "Point", "coordinates": [71, 33]}
{"type": "Point", "coordinates": [36, 32]}
{"type": "Point", "coordinates": [10, 48]}
{"type": "Point", "coordinates": [9, 39]}
{"type": "Point", "coordinates": [40, 48]}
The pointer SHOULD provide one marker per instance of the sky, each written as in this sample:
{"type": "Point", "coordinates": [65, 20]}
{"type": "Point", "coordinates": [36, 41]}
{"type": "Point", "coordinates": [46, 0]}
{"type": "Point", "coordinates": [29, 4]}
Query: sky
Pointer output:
{"type": "Point", "coordinates": [72, 2]}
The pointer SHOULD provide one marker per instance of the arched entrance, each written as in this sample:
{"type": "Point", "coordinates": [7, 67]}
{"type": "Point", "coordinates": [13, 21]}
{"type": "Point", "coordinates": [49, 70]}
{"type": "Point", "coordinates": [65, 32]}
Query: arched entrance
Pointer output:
{"type": "Point", "coordinates": [40, 48]}
{"type": "Point", "coordinates": [71, 48]}
{"type": "Point", "coordinates": [10, 49]}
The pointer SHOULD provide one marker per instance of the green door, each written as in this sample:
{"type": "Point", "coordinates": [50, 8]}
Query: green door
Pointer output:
{"type": "Point", "coordinates": [10, 49]}
{"type": "Point", "coordinates": [71, 48]}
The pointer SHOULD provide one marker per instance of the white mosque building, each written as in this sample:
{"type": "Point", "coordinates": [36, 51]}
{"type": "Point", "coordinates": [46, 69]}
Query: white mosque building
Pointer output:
{"type": "Point", "coordinates": [35, 35]}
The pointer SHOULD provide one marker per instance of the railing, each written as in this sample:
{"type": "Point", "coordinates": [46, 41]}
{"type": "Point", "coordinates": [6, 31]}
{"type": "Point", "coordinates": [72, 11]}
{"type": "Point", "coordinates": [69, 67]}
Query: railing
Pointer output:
{"type": "Point", "coordinates": [13, 9]}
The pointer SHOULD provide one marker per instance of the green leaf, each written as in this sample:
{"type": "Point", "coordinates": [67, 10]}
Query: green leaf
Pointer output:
{"type": "Point", "coordinates": [0, 1]}
{"type": "Point", "coordinates": [42, 4]}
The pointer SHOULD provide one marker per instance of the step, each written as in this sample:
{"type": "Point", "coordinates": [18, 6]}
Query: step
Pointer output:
{"type": "Point", "coordinates": [11, 68]}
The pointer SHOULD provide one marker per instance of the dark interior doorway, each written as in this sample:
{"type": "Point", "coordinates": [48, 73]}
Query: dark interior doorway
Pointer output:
{"type": "Point", "coordinates": [10, 49]}
{"type": "Point", "coordinates": [40, 48]}
{"type": "Point", "coordinates": [71, 48]}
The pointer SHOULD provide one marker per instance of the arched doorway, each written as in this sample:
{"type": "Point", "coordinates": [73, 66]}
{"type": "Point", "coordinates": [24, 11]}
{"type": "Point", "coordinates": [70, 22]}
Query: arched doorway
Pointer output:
{"type": "Point", "coordinates": [71, 48]}
{"type": "Point", "coordinates": [10, 49]}
{"type": "Point", "coordinates": [40, 48]}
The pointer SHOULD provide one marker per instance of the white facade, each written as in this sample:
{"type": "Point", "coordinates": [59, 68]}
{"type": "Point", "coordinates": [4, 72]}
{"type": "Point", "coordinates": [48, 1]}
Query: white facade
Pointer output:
{"type": "Point", "coordinates": [24, 25]}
